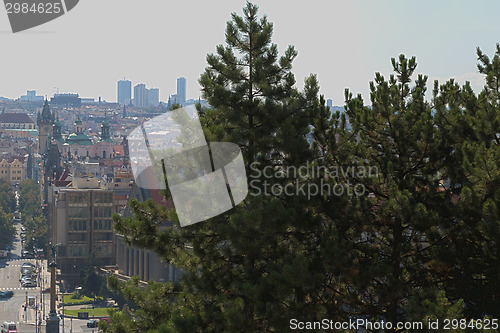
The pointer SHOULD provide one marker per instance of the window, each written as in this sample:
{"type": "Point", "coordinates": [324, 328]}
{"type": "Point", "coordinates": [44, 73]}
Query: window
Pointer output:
{"type": "Point", "coordinates": [77, 225]}
{"type": "Point", "coordinates": [77, 250]}
{"type": "Point", "coordinates": [103, 249]}
{"type": "Point", "coordinates": [103, 224]}
{"type": "Point", "coordinates": [78, 212]}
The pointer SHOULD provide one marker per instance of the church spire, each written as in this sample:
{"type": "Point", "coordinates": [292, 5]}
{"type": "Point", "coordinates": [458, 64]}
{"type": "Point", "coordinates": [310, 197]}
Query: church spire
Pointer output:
{"type": "Point", "coordinates": [105, 128]}
{"type": "Point", "coordinates": [46, 114]}
{"type": "Point", "coordinates": [57, 129]}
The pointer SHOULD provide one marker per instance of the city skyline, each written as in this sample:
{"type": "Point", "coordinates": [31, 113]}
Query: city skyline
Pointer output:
{"type": "Point", "coordinates": [343, 43]}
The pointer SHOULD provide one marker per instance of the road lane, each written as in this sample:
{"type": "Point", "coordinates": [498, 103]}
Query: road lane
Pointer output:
{"type": "Point", "coordinates": [11, 309]}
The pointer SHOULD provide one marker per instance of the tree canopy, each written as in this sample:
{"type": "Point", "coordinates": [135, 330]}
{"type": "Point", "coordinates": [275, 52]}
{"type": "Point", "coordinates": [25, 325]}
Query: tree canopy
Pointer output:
{"type": "Point", "coordinates": [395, 217]}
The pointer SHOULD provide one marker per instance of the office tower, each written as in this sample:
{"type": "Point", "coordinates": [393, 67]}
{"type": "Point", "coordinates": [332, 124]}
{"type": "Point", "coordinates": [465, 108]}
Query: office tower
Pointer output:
{"type": "Point", "coordinates": [329, 103]}
{"type": "Point", "coordinates": [124, 92]}
{"type": "Point", "coordinates": [140, 95]}
{"type": "Point", "coordinates": [153, 97]}
{"type": "Point", "coordinates": [181, 90]}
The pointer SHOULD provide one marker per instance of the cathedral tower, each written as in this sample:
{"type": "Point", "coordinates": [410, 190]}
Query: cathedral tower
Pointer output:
{"type": "Point", "coordinates": [44, 123]}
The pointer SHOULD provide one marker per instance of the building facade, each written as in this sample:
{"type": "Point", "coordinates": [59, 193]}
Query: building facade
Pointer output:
{"type": "Point", "coordinates": [140, 97]}
{"type": "Point", "coordinates": [81, 222]}
{"type": "Point", "coordinates": [181, 90]}
{"type": "Point", "coordinates": [124, 92]}
{"type": "Point", "coordinates": [13, 170]}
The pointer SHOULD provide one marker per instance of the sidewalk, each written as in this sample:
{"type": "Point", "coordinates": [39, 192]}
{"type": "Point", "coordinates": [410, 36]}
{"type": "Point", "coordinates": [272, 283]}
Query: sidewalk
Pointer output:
{"type": "Point", "coordinates": [29, 316]}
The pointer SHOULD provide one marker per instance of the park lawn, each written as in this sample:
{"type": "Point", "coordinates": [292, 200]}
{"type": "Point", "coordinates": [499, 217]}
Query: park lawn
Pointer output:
{"type": "Point", "coordinates": [98, 312]}
{"type": "Point", "coordinates": [68, 299]}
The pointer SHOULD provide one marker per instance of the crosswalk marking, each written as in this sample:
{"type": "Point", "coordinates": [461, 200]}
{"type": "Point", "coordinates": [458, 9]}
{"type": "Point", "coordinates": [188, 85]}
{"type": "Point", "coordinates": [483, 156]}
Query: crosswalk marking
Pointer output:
{"type": "Point", "coordinates": [19, 288]}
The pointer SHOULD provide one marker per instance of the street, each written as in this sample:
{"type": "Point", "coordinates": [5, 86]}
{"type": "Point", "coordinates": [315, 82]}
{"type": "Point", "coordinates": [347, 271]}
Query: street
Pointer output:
{"type": "Point", "coordinates": [12, 309]}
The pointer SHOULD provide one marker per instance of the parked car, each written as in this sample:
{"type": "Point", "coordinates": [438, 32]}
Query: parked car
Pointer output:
{"type": "Point", "coordinates": [30, 274]}
{"type": "Point", "coordinates": [27, 269]}
{"type": "Point", "coordinates": [9, 327]}
{"type": "Point", "coordinates": [6, 294]}
{"type": "Point", "coordinates": [27, 255]}
{"type": "Point", "coordinates": [92, 323]}
{"type": "Point", "coordinates": [28, 283]}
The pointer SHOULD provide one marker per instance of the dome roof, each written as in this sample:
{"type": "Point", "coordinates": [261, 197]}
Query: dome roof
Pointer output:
{"type": "Point", "coordinates": [79, 139]}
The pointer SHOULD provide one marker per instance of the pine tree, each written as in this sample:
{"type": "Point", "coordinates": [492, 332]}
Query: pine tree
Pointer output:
{"type": "Point", "coordinates": [414, 244]}
{"type": "Point", "coordinates": [257, 266]}
{"type": "Point", "coordinates": [470, 125]}
{"type": "Point", "coordinates": [390, 230]}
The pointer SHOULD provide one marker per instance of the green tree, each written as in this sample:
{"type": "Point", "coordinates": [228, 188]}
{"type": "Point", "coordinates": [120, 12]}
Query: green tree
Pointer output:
{"type": "Point", "coordinates": [249, 268]}
{"type": "Point", "coordinates": [414, 245]}
{"type": "Point", "coordinates": [32, 216]}
{"type": "Point", "coordinates": [7, 198]}
{"type": "Point", "coordinates": [29, 198]}
{"type": "Point", "coordinates": [7, 207]}
{"type": "Point", "coordinates": [470, 125]}
{"type": "Point", "coordinates": [7, 229]}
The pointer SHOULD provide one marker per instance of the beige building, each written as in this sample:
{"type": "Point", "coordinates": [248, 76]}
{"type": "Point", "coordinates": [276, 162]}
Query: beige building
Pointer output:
{"type": "Point", "coordinates": [81, 222]}
{"type": "Point", "coordinates": [13, 170]}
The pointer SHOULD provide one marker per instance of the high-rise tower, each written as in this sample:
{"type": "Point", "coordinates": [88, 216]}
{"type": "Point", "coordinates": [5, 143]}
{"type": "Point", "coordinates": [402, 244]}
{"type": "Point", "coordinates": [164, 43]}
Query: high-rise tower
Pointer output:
{"type": "Point", "coordinates": [181, 90]}
{"type": "Point", "coordinates": [124, 92]}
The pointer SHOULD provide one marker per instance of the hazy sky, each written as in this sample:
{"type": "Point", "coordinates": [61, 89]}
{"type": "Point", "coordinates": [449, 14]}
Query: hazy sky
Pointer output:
{"type": "Point", "coordinates": [155, 41]}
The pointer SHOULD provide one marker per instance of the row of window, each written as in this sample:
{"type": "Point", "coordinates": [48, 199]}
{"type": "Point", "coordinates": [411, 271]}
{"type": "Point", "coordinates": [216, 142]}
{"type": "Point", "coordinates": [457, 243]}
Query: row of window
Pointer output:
{"type": "Point", "coordinates": [98, 197]}
{"type": "Point", "coordinates": [83, 212]}
{"type": "Point", "coordinates": [77, 250]}
{"type": "Point", "coordinates": [99, 224]}
{"type": "Point", "coordinates": [77, 225]}
{"type": "Point", "coordinates": [104, 249]}
{"type": "Point", "coordinates": [17, 126]}
{"type": "Point", "coordinates": [103, 224]}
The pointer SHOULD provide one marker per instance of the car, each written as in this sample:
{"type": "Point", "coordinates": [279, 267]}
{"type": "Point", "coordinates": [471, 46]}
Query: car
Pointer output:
{"type": "Point", "coordinates": [6, 294]}
{"type": "Point", "coordinates": [46, 290]}
{"type": "Point", "coordinates": [9, 327]}
{"type": "Point", "coordinates": [26, 279]}
{"type": "Point", "coordinates": [92, 323]}
{"type": "Point", "coordinates": [25, 276]}
{"type": "Point", "coordinates": [27, 255]}
{"type": "Point", "coordinates": [28, 264]}
{"type": "Point", "coordinates": [28, 272]}
{"type": "Point", "coordinates": [28, 283]}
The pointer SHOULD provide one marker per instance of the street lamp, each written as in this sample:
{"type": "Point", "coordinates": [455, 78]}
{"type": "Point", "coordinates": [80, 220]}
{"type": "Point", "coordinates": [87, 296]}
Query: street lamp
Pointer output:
{"type": "Point", "coordinates": [52, 322]}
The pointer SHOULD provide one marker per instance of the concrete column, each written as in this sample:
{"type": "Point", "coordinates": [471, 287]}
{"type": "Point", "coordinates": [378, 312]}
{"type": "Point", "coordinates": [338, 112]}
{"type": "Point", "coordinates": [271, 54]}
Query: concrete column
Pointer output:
{"type": "Point", "coordinates": [130, 262]}
{"type": "Point", "coordinates": [136, 262]}
{"type": "Point", "coordinates": [146, 266]}
{"type": "Point", "coordinates": [141, 264]}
